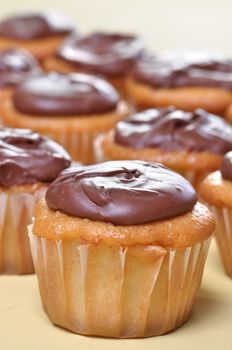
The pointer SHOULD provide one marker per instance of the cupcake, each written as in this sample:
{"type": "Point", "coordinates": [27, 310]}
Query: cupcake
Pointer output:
{"type": "Point", "coordinates": [16, 65]}
{"type": "Point", "coordinates": [192, 143]}
{"type": "Point", "coordinates": [106, 54]}
{"type": "Point", "coordinates": [119, 249]}
{"type": "Point", "coordinates": [39, 33]}
{"type": "Point", "coordinates": [186, 80]}
{"type": "Point", "coordinates": [216, 191]}
{"type": "Point", "coordinates": [71, 108]}
{"type": "Point", "coordinates": [28, 163]}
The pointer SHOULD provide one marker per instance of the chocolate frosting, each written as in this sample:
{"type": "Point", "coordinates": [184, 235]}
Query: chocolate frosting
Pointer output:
{"type": "Point", "coordinates": [178, 69]}
{"type": "Point", "coordinates": [70, 94]}
{"type": "Point", "coordinates": [172, 129]}
{"type": "Point", "coordinates": [27, 157]}
{"type": "Point", "coordinates": [16, 66]}
{"type": "Point", "coordinates": [29, 26]}
{"type": "Point", "coordinates": [226, 166]}
{"type": "Point", "coordinates": [102, 53]}
{"type": "Point", "coordinates": [121, 192]}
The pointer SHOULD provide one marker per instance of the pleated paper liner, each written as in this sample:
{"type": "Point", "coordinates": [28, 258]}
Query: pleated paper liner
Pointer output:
{"type": "Point", "coordinates": [223, 234]}
{"type": "Point", "coordinates": [115, 292]}
{"type": "Point", "coordinates": [16, 212]}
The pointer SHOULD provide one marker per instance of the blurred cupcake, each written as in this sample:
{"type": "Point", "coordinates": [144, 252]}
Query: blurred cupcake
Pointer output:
{"type": "Point", "coordinates": [71, 108]}
{"type": "Point", "coordinates": [186, 80]}
{"type": "Point", "coordinates": [119, 249]}
{"type": "Point", "coordinates": [216, 191]}
{"type": "Point", "coordinates": [28, 162]}
{"type": "Point", "coordinates": [39, 33]}
{"type": "Point", "coordinates": [192, 143]}
{"type": "Point", "coordinates": [16, 66]}
{"type": "Point", "coordinates": [106, 54]}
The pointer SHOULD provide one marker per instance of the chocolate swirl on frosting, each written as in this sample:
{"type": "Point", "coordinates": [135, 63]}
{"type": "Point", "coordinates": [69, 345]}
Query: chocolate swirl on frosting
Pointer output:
{"type": "Point", "coordinates": [179, 69]}
{"type": "Point", "coordinates": [27, 157]}
{"type": "Point", "coordinates": [226, 166]}
{"type": "Point", "coordinates": [172, 129]}
{"type": "Point", "coordinates": [70, 94]}
{"type": "Point", "coordinates": [16, 66]}
{"type": "Point", "coordinates": [122, 193]}
{"type": "Point", "coordinates": [102, 53]}
{"type": "Point", "coordinates": [29, 26]}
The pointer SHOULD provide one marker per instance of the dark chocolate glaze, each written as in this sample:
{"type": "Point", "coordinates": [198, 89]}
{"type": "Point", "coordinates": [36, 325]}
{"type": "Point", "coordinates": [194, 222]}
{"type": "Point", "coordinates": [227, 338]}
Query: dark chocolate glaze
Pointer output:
{"type": "Point", "coordinates": [27, 157]}
{"type": "Point", "coordinates": [29, 26]}
{"type": "Point", "coordinates": [102, 53]}
{"type": "Point", "coordinates": [226, 166]}
{"type": "Point", "coordinates": [70, 94]}
{"type": "Point", "coordinates": [172, 129]}
{"type": "Point", "coordinates": [122, 193]}
{"type": "Point", "coordinates": [179, 69]}
{"type": "Point", "coordinates": [17, 65]}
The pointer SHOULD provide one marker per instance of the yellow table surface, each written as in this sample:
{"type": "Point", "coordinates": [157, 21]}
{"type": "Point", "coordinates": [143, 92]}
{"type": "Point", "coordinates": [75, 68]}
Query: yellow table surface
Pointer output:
{"type": "Point", "coordinates": [24, 325]}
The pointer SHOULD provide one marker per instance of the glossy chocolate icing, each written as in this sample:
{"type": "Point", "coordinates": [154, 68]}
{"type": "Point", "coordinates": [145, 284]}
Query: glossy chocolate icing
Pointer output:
{"type": "Point", "coordinates": [226, 166]}
{"type": "Point", "coordinates": [70, 94]}
{"type": "Point", "coordinates": [27, 157]}
{"type": "Point", "coordinates": [171, 129]}
{"type": "Point", "coordinates": [29, 26]}
{"type": "Point", "coordinates": [179, 69]}
{"type": "Point", "coordinates": [16, 66]}
{"type": "Point", "coordinates": [121, 192]}
{"type": "Point", "coordinates": [102, 53]}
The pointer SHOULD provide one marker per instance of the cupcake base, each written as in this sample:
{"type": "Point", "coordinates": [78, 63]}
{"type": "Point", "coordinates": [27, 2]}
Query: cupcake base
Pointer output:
{"type": "Point", "coordinates": [16, 211]}
{"type": "Point", "coordinates": [138, 291]}
{"type": "Point", "coordinates": [213, 100]}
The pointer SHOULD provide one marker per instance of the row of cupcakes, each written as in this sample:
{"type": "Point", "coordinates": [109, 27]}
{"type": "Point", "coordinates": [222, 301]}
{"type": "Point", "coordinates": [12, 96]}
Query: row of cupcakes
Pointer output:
{"type": "Point", "coordinates": [102, 229]}
{"type": "Point", "coordinates": [187, 80]}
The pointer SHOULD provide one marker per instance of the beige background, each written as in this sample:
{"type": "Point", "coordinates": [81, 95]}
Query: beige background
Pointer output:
{"type": "Point", "coordinates": [164, 24]}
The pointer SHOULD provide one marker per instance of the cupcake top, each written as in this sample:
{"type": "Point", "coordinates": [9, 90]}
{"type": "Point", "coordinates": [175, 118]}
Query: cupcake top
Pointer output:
{"type": "Point", "coordinates": [70, 94]}
{"type": "Point", "coordinates": [172, 129]}
{"type": "Point", "coordinates": [30, 26]}
{"type": "Point", "coordinates": [102, 53]}
{"type": "Point", "coordinates": [121, 192]}
{"type": "Point", "coordinates": [16, 65]}
{"type": "Point", "coordinates": [178, 69]}
{"type": "Point", "coordinates": [27, 157]}
{"type": "Point", "coordinates": [226, 166]}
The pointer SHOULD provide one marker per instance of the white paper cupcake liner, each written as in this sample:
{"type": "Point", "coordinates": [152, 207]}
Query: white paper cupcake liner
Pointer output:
{"type": "Point", "coordinates": [16, 211]}
{"type": "Point", "coordinates": [98, 149]}
{"type": "Point", "coordinates": [79, 144]}
{"type": "Point", "coordinates": [223, 234]}
{"type": "Point", "coordinates": [116, 292]}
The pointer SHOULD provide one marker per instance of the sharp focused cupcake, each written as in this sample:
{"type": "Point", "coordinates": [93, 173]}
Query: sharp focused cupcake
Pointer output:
{"type": "Point", "coordinates": [107, 54]}
{"type": "Point", "coordinates": [192, 143]}
{"type": "Point", "coordinates": [71, 108]}
{"type": "Point", "coordinates": [28, 163]}
{"type": "Point", "coordinates": [39, 33]}
{"type": "Point", "coordinates": [187, 80]}
{"type": "Point", "coordinates": [216, 190]}
{"type": "Point", "coordinates": [119, 249]}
